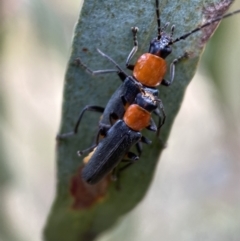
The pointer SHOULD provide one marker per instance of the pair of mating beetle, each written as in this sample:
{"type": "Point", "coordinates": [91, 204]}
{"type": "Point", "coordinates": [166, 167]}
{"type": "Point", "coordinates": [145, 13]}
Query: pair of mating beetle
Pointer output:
{"type": "Point", "coordinates": [129, 109]}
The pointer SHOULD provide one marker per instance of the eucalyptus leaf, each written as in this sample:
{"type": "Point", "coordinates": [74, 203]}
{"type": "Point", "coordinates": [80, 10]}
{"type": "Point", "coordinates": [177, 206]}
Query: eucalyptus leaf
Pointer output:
{"type": "Point", "coordinates": [80, 212]}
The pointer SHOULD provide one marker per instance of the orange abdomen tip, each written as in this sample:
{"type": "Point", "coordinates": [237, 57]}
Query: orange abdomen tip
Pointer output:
{"type": "Point", "coordinates": [136, 117]}
{"type": "Point", "coordinates": [150, 70]}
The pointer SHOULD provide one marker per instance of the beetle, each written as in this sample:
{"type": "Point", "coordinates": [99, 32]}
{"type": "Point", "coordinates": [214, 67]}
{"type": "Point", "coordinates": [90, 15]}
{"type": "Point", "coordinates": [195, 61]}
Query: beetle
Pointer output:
{"type": "Point", "coordinates": [119, 138]}
{"type": "Point", "coordinates": [148, 73]}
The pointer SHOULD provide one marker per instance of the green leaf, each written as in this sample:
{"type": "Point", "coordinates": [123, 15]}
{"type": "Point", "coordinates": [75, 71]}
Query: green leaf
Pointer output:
{"type": "Point", "coordinates": [81, 212]}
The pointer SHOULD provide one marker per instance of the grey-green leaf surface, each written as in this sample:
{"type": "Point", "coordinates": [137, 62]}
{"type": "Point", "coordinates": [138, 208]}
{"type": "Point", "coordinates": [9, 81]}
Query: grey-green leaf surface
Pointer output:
{"type": "Point", "coordinates": [80, 212]}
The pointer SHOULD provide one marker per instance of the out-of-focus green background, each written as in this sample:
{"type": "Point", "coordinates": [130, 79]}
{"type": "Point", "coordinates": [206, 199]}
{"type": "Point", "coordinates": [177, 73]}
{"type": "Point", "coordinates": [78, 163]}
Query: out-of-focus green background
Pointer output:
{"type": "Point", "coordinates": [196, 191]}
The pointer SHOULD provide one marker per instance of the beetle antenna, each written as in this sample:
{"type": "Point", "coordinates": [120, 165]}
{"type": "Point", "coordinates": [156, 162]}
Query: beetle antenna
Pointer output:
{"type": "Point", "coordinates": [158, 20]}
{"type": "Point", "coordinates": [204, 25]}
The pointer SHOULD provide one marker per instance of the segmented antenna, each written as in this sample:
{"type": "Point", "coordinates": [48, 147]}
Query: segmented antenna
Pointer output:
{"type": "Point", "coordinates": [158, 20]}
{"type": "Point", "coordinates": [204, 25]}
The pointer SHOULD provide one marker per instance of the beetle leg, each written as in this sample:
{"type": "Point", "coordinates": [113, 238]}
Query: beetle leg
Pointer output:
{"type": "Point", "coordinates": [75, 130]}
{"type": "Point", "coordinates": [132, 157]}
{"type": "Point", "coordinates": [139, 148]}
{"type": "Point", "coordinates": [161, 121]}
{"type": "Point", "coordinates": [120, 71]}
{"type": "Point", "coordinates": [152, 126]}
{"type": "Point", "coordinates": [78, 62]}
{"type": "Point", "coordinates": [103, 129]}
{"type": "Point", "coordinates": [172, 69]}
{"type": "Point", "coordinates": [145, 140]}
{"type": "Point", "coordinates": [134, 49]}
{"type": "Point", "coordinates": [87, 150]}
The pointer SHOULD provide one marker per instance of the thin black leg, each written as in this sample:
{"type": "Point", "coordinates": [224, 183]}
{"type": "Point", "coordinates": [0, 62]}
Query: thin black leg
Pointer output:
{"type": "Point", "coordinates": [134, 49]}
{"type": "Point", "coordinates": [75, 130]}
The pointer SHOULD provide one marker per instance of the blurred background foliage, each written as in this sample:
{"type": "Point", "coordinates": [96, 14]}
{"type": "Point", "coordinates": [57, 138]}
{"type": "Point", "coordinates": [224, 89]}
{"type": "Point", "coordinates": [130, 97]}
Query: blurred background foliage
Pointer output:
{"type": "Point", "coordinates": [196, 191]}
